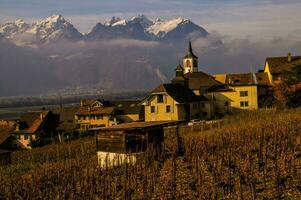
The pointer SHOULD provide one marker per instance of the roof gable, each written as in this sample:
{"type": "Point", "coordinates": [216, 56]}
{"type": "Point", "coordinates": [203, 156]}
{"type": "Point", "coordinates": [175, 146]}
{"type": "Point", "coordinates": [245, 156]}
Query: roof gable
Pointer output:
{"type": "Point", "coordinates": [197, 80]}
{"type": "Point", "coordinates": [241, 79]}
{"type": "Point", "coordinates": [179, 93]}
{"type": "Point", "coordinates": [278, 65]}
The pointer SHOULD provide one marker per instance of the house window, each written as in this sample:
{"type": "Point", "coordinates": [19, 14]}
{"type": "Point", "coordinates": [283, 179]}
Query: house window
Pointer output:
{"type": "Point", "coordinates": [243, 93]}
{"type": "Point", "coordinates": [244, 104]}
{"type": "Point", "coordinates": [168, 109]}
{"type": "Point", "coordinates": [226, 103]}
{"type": "Point", "coordinates": [205, 114]}
{"type": "Point", "coordinates": [203, 105]}
{"type": "Point", "coordinates": [160, 98]}
{"type": "Point", "coordinates": [153, 109]}
{"type": "Point", "coordinates": [26, 137]}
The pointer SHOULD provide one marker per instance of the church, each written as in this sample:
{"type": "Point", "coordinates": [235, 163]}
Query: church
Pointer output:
{"type": "Point", "coordinates": [193, 94]}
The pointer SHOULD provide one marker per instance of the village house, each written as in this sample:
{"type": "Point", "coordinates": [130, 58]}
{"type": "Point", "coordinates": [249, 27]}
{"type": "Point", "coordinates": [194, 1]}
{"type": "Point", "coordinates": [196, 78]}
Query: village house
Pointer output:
{"type": "Point", "coordinates": [94, 113]}
{"type": "Point", "coordinates": [32, 125]}
{"type": "Point", "coordinates": [276, 67]}
{"type": "Point", "coordinates": [220, 94]}
{"type": "Point", "coordinates": [128, 111]}
{"type": "Point", "coordinates": [173, 101]}
{"type": "Point", "coordinates": [238, 92]}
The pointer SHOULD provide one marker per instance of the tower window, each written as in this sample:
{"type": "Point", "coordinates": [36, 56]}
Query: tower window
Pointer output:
{"type": "Point", "coordinates": [188, 64]}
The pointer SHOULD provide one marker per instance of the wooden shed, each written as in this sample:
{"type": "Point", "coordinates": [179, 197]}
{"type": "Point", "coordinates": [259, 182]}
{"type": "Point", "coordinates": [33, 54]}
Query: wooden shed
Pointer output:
{"type": "Point", "coordinates": [124, 142]}
{"type": "Point", "coordinates": [5, 157]}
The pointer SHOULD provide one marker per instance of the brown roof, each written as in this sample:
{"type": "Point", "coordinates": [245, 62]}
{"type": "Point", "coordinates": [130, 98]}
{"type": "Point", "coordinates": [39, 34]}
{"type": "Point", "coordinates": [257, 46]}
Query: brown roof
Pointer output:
{"type": "Point", "coordinates": [220, 77]}
{"type": "Point", "coordinates": [179, 93]}
{"type": "Point", "coordinates": [138, 125]}
{"type": "Point", "coordinates": [5, 133]}
{"type": "Point", "coordinates": [94, 110]}
{"type": "Point", "coordinates": [197, 80]}
{"type": "Point", "coordinates": [33, 121]}
{"type": "Point", "coordinates": [66, 117]}
{"type": "Point", "coordinates": [262, 79]}
{"type": "Point", "coordinates": [241, 79]}
{"type": "Point", "coordinates": [88, 102]}
{"type": "Point", "coordinates": [219, 88]}
{"type": "Point", "coordinates": [280, 64]}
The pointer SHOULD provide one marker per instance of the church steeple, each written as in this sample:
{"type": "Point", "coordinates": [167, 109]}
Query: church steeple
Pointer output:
{"type": "Point", "coordinates": [190, 61]}
{"type": "Point", "coordinates": [179, 78]}
{"type": "Point", "coordinates": [190, 53]}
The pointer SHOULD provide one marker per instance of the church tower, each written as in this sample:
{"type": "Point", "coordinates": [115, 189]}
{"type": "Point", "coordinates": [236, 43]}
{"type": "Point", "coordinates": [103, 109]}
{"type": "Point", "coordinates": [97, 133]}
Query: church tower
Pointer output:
{"type": "Point", "coordinates": [190, 61]}
{"type": "Point", "coordinates": [180, 78]}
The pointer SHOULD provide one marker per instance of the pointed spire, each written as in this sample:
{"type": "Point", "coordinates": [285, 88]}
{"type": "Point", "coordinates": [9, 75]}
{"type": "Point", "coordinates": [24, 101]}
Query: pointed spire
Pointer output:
{"type": "Point", "coordinates": [190, 53]}
{"type": "Point", "coordinates": [190, 47]}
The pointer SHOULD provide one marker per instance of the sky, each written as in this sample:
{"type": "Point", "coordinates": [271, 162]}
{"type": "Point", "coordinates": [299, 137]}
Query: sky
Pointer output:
{"type": "Point", "coordinates": [256, 19]}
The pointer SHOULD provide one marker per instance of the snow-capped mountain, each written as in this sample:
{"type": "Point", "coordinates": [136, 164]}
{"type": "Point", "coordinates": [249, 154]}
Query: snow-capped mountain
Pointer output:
{"type": "Point", "coordinates": [10, 29]}
{"type": "Point", "coordinates": [118, 28]}
{"type": "Point", "coordinates": [143, 20]}
{"type": "Point", "coordinates": [175, 29]}
{"type": "Point", "coordinates": [142, 28]}
{"type": "Point", "coordinates": [52, 29]}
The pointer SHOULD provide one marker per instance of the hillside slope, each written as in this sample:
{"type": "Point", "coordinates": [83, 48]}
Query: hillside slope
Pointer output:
{"type": "Point", "coordinates": [255, 156]}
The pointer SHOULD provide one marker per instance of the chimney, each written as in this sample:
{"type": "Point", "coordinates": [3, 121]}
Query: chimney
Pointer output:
{"type": "Point", "coordinates": [289, 57]}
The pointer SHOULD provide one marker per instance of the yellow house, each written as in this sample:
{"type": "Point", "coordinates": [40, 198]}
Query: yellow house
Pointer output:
{"type": "Point", "coordinates": [128, 111]}
{"type": "Point", "coordinates": [173, 102]}
{"type": "Point", "coordinates": [276, 66]}
{"type": "Point", "coordinates": [239, 92]}
{"type": "Point", "coordinates": [92, 114]}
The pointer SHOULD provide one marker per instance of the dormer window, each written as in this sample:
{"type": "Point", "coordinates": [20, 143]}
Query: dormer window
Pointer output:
{"type": "Point", "coordinates": [160, 98]}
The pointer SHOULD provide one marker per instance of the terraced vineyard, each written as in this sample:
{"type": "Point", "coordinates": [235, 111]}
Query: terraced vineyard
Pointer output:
{"type": "Point", "coordinates": [256, 156]}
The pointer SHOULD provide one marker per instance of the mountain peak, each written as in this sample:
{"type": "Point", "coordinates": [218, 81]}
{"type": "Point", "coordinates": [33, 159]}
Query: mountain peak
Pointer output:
{"type": "Point", "coordinates": [143, 20]}
{"type": "Point", "coordinates": [116, 21]}
{"type": "Point", "coordinates": [162, 27]}
{"type": "Point", "coordinates": [55, 18]}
